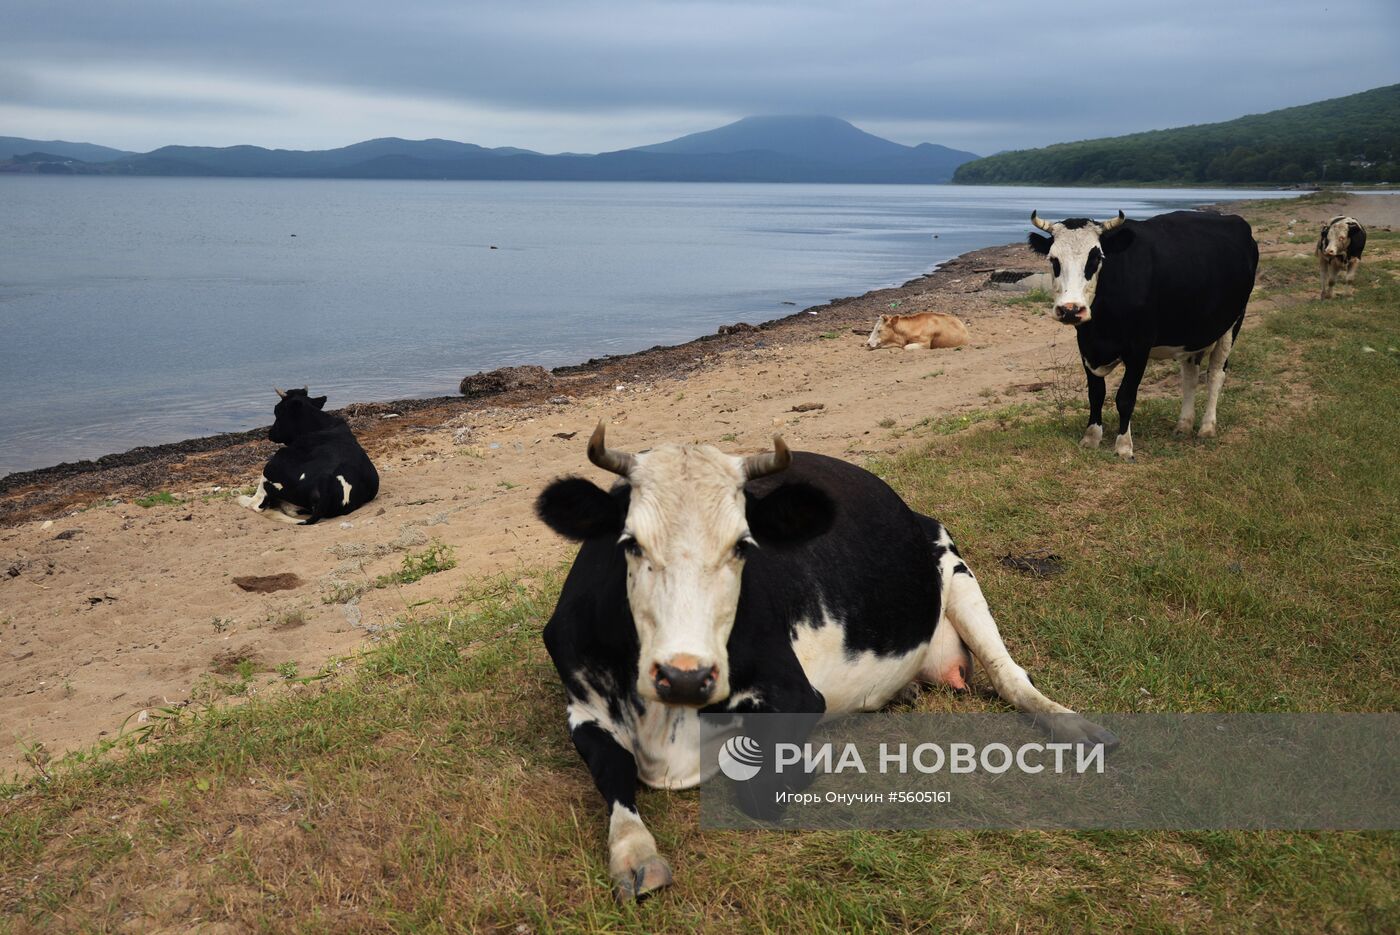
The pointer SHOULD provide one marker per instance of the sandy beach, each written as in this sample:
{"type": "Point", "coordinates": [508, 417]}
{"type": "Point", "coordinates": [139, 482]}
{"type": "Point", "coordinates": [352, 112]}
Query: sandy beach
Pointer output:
{"type": "Point", "coordinates": [109, 608]}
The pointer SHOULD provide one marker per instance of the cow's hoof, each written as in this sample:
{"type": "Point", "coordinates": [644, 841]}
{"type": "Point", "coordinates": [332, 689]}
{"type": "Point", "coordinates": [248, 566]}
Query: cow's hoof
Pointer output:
{"type": "Point", "coordinates": [1207, 431]}
{"type": "Point", "coordinates": [649, 876]}
{"type": "Point", "coordinates": [1092, 436]}
{"type": "Point", "coordinates": [1073, 729]}
{"type": "Point", "coordinates": [1183, 427]}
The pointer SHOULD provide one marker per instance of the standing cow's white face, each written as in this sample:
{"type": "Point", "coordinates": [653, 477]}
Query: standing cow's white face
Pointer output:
{"type": "Point", "coordinates": [1076, 248]}
{"type": "Point", "coordinates": [1336, 237]}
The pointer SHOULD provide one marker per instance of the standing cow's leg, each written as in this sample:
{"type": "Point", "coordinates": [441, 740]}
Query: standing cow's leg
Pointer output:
{"type": "Point", "coordinates": [636, 867]}
{"type": "Point", "coordinates": [1126, 400]}
{"type": "Point", "coordinates": [967, 609]}
{"type": "Point", "coordinates": [1322, 268]}
{"type": "Point", "coordinates": [1190, 369]}
{"type": "Point", "coordinates": [1352, 264]}
{"type": "Point", "coordinates": [1216, 379]}
{"type": "Point", "coordinates": [1093, 434]}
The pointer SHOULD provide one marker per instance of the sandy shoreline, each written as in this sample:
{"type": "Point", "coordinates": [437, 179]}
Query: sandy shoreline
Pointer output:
{"type": "Point", "coordinates": [108, 608]}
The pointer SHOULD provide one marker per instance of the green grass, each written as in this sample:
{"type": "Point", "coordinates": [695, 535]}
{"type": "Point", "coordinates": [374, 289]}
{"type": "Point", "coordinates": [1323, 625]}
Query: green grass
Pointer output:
{"type": "Point", "coordinates": [1036, 297]}
{"type": "Point", "coordinates": [432, 786]}
{"type": "Point", "coordinates": [160, 498]}
{"type": "Point", "coordinates": [437, 557]}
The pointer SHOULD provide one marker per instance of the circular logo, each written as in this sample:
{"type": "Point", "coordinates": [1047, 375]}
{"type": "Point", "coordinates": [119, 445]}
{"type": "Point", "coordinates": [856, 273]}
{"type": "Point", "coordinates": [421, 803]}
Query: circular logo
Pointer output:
{"type": "Point", "coordinates": [740, 758]}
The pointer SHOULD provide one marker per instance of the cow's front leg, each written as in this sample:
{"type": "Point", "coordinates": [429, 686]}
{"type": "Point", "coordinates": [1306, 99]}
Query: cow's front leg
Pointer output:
{"type": "Point", "coordinates": [1093, 434]}
{"type": "Point", "coordinates": [259, 500]}
{"type": "Point", "coordinates": [967, 609]}
{"type": "Point", "coordinates": [1352, 264]}
{"type": "Point", "coordinates": [1326, 279]}
{"type": "Point", "coordinates": [1126, 400]}
{"type": "Point", "coordinates": [633, 862]}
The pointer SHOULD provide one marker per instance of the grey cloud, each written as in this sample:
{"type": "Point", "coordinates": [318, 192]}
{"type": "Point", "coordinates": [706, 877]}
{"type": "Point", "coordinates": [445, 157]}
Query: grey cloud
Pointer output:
{"type": "Point", "coordinates": [1050, 71]}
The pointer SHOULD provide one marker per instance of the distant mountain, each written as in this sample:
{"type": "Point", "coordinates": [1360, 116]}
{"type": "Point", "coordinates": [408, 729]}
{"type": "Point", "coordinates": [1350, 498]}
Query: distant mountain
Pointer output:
{"type": "Point", "coordinates": [756, 149]}
{"type": "Point", "coordinates": [1346, 139]}
{"type": "Point", "coordinates": [825, 139]}
{"type": "Point", "coordinates": [12, 146]}
{"type": "Point", "coordinates": [830, 141]}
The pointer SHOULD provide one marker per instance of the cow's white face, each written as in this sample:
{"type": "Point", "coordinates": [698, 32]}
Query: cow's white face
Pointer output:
{"type": "Point", "coordinates": [685, 533]}
{"type": "Point", "coordinates": [686, 536]}
{"type": "Point", "coordinates": [1336, 237]}
{"type": "Point", "coordinates": [1076, 251]}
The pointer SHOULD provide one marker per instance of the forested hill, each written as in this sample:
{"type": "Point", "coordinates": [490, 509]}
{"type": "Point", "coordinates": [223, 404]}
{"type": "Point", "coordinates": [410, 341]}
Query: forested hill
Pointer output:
{"type": "Point", "coordinates": [1347, 139]}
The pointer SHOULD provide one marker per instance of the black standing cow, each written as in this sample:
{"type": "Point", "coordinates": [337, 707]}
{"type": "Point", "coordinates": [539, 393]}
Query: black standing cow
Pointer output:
{"type": "Point", "coordinates": [319, 472]}
{"type": "Point", "coordinates": [1339, 249]}
{"type": "Point", "coordinates": [781, 582]}
{"type": "Point", "coordinates": [1173, 286]}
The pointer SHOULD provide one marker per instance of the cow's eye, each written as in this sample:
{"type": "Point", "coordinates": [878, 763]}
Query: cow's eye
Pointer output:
{"type": "Point", "coordinates": [1092, 266]}
{"type": "Point", "coordinates": [1055, 266]}
{"type": "Point", "coordinates": [629, 545]}
{"type": "Point", "coordinates": [742, 547]}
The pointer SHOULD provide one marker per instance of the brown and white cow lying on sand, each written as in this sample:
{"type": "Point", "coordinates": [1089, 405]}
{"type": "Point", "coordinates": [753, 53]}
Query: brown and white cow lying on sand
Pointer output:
{"type": "Point", "coordinates": [1339, 250]}
{"type": "Point", "coordinates": [917, 332]}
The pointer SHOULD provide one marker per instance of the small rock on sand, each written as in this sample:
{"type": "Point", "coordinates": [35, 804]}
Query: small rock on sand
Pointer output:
{"type": "Point", "coordinates": [506, 378]}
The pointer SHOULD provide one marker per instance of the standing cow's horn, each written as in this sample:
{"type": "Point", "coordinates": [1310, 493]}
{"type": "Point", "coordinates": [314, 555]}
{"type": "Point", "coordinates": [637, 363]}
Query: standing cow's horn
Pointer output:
{"type": "Point", "coordinates": [1043, 225]}
{"type": "Point", "coordinates": [1115, 222]}
{"type": "Point", "coordinates": [619, 462]}
{"type": "Point", "coordinates": [280, 394]}
{"type": "Point", "coordinates": [770, 462]}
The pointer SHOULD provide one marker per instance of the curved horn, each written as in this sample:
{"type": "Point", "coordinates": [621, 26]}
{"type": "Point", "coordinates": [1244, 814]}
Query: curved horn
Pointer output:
{"type": "Point", "coordinates": [1043, 225]}
{"type": "Point", "coordinates": [1115, 222]}
{"type": "Point", "coordinates": [619, 462]}
{"type": "Point", "coordinates": [280, 393]}
{"type": "Point", "coordinates": [770, 462]}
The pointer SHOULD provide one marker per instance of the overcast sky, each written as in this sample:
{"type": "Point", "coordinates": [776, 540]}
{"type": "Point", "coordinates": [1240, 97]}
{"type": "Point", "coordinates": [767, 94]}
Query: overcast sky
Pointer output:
{"type": "Point", "coordinates": [588, 76]}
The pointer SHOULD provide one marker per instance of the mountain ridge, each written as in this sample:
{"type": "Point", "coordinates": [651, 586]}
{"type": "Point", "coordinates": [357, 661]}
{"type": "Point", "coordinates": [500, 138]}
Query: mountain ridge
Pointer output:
{"type": "Point", "coordinates": [1355, 138]}
{"type": "Point", "coordinates": [754, 149]}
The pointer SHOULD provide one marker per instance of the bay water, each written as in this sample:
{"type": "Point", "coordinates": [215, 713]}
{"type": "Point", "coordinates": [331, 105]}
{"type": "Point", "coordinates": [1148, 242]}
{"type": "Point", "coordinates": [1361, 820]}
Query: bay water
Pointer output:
{"type": "Point", "coordinates": [138, 311]}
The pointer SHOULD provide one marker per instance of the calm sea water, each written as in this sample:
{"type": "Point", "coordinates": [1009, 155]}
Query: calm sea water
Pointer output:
{"type": "Point", "coordinates": [140, 311]}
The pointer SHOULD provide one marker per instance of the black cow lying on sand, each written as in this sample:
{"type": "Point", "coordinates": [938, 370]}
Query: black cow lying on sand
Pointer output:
{"type": "Point", "coordinates": [321, 470]}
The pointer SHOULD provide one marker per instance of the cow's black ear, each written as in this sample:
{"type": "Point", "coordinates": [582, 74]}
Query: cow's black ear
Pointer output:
{"type": "Point", "coordinates": [1116, 240]}
{"type": "Point", "coordinates": [1038, 243]}
{"type": "Point", "coordinates": [579, 509]}
{"type": "Point", "coordinates": [319, 402]}
{"type": "Point", "coordinates": [791, 514]}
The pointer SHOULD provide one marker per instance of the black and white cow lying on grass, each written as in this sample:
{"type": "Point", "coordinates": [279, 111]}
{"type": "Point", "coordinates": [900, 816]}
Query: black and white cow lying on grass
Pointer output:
{"type": "Point", "coordinates": [1173, 286]}
{"type": "Point", "coordinates": [781, 582]}
{"type": "Point", "coordinates": [1339, 251]}
{"type": "Point", "coordinates": [319, 472]}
